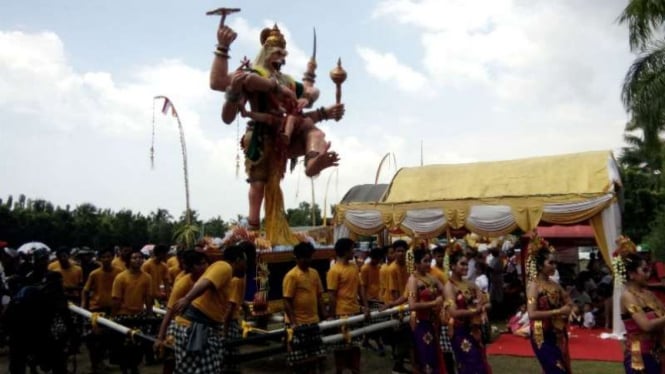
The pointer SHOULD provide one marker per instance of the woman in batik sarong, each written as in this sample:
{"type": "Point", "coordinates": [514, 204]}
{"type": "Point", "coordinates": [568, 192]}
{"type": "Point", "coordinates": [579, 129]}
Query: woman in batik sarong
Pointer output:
{"type": "Point", "coordinates": [641, 311]}
{"type": "Point", "coordinates": [548, 306]}
{"type": "Point", "coordinates": [425, 302]}
{"type": "Point", "coordinates": [463, 309]}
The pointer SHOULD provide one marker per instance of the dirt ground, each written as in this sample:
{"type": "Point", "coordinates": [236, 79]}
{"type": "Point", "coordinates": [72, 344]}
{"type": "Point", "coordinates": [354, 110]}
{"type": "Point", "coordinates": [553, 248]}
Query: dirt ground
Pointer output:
{"type": "Point", "coordinates": [371, 362]}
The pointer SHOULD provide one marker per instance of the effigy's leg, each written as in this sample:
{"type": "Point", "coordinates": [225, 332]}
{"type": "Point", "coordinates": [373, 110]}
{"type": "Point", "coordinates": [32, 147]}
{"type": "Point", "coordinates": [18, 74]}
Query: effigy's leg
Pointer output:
{"type": "Point", "coordinates": [256, 192]}
{"type": "Point", "coordinates": [318, 156]}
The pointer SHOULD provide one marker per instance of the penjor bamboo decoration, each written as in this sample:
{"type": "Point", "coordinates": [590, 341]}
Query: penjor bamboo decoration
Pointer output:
{"type": "Point", "coordinates": [187, 232]}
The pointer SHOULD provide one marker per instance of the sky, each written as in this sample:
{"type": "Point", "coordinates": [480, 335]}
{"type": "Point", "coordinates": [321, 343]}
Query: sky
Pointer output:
{"type": "Point", "coordinates": [463, 80]}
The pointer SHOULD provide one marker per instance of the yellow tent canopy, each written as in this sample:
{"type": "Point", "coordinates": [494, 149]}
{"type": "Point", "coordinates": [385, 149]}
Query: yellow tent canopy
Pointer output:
{"type": "Point", "coordinates": [495, 198]}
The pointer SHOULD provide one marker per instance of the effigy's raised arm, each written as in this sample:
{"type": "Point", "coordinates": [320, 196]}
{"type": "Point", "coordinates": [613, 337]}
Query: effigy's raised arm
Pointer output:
{"type": "Point", "coordinates": [219, 72]}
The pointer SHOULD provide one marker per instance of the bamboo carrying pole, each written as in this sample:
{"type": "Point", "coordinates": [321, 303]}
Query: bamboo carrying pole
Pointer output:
{"type": "Point", "coordinates": [110, 324]}
{"type": "Point", "coordinates": [269, 334]}
{"type": "Point", "coordinates": [331, 339]}
{"type": "Point", "coordinates": [360, 318]}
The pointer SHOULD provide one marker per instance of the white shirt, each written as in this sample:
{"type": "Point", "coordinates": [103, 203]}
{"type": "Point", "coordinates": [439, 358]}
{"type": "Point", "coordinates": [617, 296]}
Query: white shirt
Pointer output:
{"type": "Point", "coordinates": [589, 320]}
{"type": "Point", "coordinates": [482, 283]}
{"type": "Point", "coordinates": [471, 274]}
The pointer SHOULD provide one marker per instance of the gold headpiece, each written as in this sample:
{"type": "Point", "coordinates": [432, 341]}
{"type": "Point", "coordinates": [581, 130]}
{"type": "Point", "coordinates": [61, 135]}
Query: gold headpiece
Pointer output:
{"type": "Point", "coordinates": [453, 246]}
{"type": "Point", "coordinates": [625, 246]}
{"type": "Point", "coordinates": [535, 244]}
{"type": "Point", "coordinates": [271, 38]}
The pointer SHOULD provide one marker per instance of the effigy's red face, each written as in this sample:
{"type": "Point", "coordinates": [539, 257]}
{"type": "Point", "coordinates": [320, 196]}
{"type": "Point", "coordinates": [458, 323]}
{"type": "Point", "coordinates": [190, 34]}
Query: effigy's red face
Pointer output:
{"type": "Point", "coordinates": [276, 59]}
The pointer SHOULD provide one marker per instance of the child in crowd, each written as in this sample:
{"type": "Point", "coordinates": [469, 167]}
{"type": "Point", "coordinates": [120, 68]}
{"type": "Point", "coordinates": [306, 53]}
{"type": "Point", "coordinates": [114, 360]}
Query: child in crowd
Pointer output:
{"type": "Point", "coordinates": [589, 318]}
{"type": "Point", "coordinates": [519, 323]}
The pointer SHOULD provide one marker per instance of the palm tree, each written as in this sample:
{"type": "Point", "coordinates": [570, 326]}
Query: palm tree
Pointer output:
{"type": "Point", "coordinates": [644, 17]}
{"type": "Point", "coordinates": [643, 92]}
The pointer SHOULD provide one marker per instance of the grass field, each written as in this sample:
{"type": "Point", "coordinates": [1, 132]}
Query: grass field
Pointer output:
{"type": "Point", "coordinates": [509, 364]}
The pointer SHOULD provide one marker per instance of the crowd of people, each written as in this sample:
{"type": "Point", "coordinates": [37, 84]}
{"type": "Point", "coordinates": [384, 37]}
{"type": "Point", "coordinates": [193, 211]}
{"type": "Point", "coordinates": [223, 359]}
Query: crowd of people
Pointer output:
{"type": "Point", "coordinates": [449, 307]}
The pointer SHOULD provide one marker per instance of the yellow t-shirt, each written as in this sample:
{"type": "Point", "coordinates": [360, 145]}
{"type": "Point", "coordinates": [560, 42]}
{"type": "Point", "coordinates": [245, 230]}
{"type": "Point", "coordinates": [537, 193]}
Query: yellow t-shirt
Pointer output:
{"type": "Point", "coordinates": [397, 278]}
{"type": "Point", "coordinates": [159, 274]}
{"type": "Point", "coordinates": [132, 290]}
{"type": "Point", "coordinates": [72, 277]}
{"type": "Point", "coordinates": [237, 295]}
{"type": "Point", "coordinates": [439, 274]}
{"type": "Point", "coordinates": [119, 263]}
{"type": "Point", "coordinates": [174, 272]}
{"type": "Point", "coordinates": [172, 262]}
{"type": "Point", "coordinates": [304, 289]}
{"type": "Point", "coordinates": [383, 281]}
{"type": "Point", "coordinates": [370, 279]}
{"type": "Point", "coordinates": [100, 284]}
{"type": "Point", "coordinates": [213, 303]}
{"type": "Point", "coordinates": [183, 285]}
{"type": "Point", "coordinates": [344, 280]}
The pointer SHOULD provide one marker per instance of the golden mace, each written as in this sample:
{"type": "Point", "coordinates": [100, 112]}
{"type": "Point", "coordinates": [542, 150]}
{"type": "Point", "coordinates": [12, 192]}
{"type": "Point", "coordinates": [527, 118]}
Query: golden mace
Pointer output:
{"type": "Point", "coordinates": [338, 76]}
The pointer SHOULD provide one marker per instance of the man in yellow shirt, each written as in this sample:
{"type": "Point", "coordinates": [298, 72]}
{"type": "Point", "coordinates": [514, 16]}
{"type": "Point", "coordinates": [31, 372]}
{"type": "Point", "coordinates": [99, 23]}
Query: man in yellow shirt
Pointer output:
{"type": "Point", "coordinates": [345, 290]}
{"type": "Point", "coordinates": [303, 305]}
{"type": "Point", "coordinates": [132, 296]}
{"type": "Point", "coordinates": [72, 274]}
{"type": "Point", "coordinates": [198, 337]}
{"type": "Point", "coordinates": [174, 265]}
{"type": "Point", "coordinates": [398, 276]}
{"type": "Point", "coordinates": [370, 275]}
{"type": "Point", "coordinates": [96, 297]}
{"type": "Point", "coordinates": [195, 264]}
{"type": "Point", "coordinates": [370, 278]}
{"type": "Point", "coordinates": [383, 274]}
{"type": "Point", "coordinates": [121, 260]}
{"type": "Point", "coordinates": [159, 272]}
{"type": "Point", "coordinates": [437, 269]}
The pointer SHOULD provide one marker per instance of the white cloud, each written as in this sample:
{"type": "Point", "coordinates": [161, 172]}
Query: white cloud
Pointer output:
{"type": "Point", "coordinates": [387, 68]}
{"type": "Point", "coordinates": [514, 49]}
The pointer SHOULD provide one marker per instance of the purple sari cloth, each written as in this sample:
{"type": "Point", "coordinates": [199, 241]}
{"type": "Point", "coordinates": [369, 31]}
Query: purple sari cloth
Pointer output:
{"type": "Point", "coordinates": [470, 354]}
{"type": "Point", "coordinates": [428, 353]}
{"type": "Point", "coordinates": [549, 354]}
{"type": "Point", "coordinates": [651, 365]}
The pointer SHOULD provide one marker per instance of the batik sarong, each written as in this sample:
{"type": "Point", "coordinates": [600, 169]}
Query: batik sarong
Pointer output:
{"type": "Point", "coordinates": [230, 353]}
{"type": "Point", "coordinates": [306, 345]}
{"type": "Point", "coordinates": [208, 360]}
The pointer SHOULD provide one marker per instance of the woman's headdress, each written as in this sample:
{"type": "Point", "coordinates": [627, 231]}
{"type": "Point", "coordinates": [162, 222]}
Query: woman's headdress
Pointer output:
{"type": "Point", "coordinates": [624, 247]}
{"type": "Point", "coordinates": [535, 244]}
{"type": "Point", "coordinates": [452, 247]}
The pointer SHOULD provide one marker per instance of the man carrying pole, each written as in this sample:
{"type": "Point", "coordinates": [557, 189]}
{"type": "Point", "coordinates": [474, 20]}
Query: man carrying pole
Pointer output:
{"type": "Point", "coordinates": [303, 305]}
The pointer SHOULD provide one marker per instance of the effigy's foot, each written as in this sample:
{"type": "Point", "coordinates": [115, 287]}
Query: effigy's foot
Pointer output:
{"type": "Point", "coordinates": [320, 161]}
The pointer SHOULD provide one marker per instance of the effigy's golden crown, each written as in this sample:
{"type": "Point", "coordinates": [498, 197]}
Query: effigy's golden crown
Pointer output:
{"type": "Point", "coordinates": [272, 38]}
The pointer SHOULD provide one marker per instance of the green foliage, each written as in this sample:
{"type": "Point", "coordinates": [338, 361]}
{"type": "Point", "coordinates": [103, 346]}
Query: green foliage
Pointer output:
{"type": "Point", "coordinates": [655, 240]}
{"type": "Point", "coordinates": [25, 220]}
{"type": "Point", "coordinates": [642, 203]}
{"type": "Point", "coordinates": [185, 235]}
{"type": "Point", "coordinates": [302, 215]}
{"type": "Point", "coordinates": [643, 96]}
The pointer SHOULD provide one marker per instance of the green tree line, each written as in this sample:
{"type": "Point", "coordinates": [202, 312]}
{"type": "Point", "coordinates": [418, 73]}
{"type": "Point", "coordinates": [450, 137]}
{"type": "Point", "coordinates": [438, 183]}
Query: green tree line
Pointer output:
{"type": "Point", "coordinates": [23, 220]}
